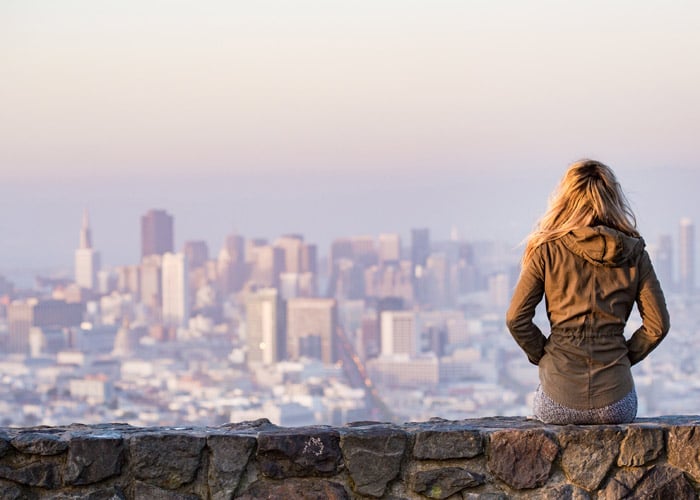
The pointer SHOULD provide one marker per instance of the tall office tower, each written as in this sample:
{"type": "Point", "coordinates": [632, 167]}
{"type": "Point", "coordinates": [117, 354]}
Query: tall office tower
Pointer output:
{"type": "Point", "coordinates": [309, 258]}
{"type": "Point", "coordinates": [341, 249]}
{"type": "Point", "coordinates": [389, 247]}
{"type": "Point", "coordinates": [87, 260]}
{"type": "Point", "coordinates": [399, 333]}
{"type": "Point", "coordinates": [438, 283]}
{"type": "Point", "coordinates": [235, 244]}
{"type": "Point", "coordinates": [265, 327]}
{"type": "Point", "coordinates": [663, 261]}
{"type": "Point", "coordinates": [156, 233]}
{"type": "Point", "coordinates": [686, 265]}
{"type": "Point", "coordinates": [231, 268]}
{"type": "Point", "coordinates": [23, 315]}
{"type": "Point", "coordinates": [267, 264]}
{"type": "Point", "coordinates": [420, 250]}
{"type": "Point", "coordinates": [150, 281]}
{"type": "Point", "coordinates": [196, 253]}
{"type": "Point", "coordinates": [420, 247]}
{"type": "Point", "coordinates": [291, 245]}
{"type": "Point", "coordinates": [311, 325]}
{"type": "Point", "coordinates": [175, 290]}
{"type": "Point", "coordinates": [20, 319]}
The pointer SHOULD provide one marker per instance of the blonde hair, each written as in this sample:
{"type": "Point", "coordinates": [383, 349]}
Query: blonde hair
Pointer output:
{"type": "Point", "coordinates": [588, 195]}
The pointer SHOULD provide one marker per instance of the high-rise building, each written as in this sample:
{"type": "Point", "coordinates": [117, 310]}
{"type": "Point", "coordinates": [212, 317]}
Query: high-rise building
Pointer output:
{"type": "Point", "coordinates": [151, 281]}
{"type": "Point", "coordinates": [663, 261]}
{"type": "Point", "coordinates": [389, 247]}
{"type": "Point", "coordinates": [87, 260]}
{"type": "Point", "coordinates": [265, 327]}
{"type": "Point", "coordinates": [175, 290]}
{"type": "Point", "coordinates": [156, 233]}
{"type": "Point", "coordinates": [399, 333]}
{"type": "Point", "coordinates": [196, 253]}
{"type": "Point", "coordinates": [291, 245]}
{"type": "Point", "coordinates": [686, 264]}
{"type": "Point", "coordinates": [50, 313]}
{"type": "Point", "coordinates": [420, 246]}
{"type": "Point", "coordinates": [311, 329]}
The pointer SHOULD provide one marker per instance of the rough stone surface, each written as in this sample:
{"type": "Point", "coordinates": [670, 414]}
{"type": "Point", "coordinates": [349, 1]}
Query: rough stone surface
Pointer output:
{"type": "Point", "coordinates": [665, 482]}
{"type": "Point", "coordinates": [229, 456]}
{"type": "Point", "coordinates": [94, 458]}
{"type": "Point", "coordinates": [4, 443]}
{"type": "Point", "coordinates": [373, 457]}
{"type": "Point", "coordinates": [165, 459]}
{"type": "Point", "coordinates": [36, 443]}
{"type": "Point", "coordinates": [44, 475]}
{"type": "Point", "coordinates": [150, 492]}
{"type": "Point", "coordinates": [684, 449]}
{"type": "Point", "coordinates": [103, 494]}
{"type": "Point", "coordinates": [440, 441]}
{"type": "Point", "coordinates": [521, 459]}
{"type": "Point", "coordinates": [10, 491]}
{"type": "Point", "coordinates": [490, 458]}
{"type": "Point", "coordinates": [588, 454]}
{"type": "Point", "coordinates": [295, 488]}
{"type": "Point", "coordinates": [640, 446]}
{"type": "Point", "coordinates": [622, 484]}
{"type": "Point", "coordinates": [445, 481]}
{"type": "Point", "coordinates": [299, 452]}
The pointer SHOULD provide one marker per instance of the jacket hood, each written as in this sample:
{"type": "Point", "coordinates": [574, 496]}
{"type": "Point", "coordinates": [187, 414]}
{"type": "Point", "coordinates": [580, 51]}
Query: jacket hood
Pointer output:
{"type": "Point", "coordinates": [603, 245]}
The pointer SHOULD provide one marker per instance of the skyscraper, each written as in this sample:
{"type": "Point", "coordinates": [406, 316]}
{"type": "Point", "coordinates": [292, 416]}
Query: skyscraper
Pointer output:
{"type": "Point", "coordinates": [399, 333]}
{"type": "Point", "coordinates": [663, 261]}
{"type": "Point", "coordinates": [156, 233]}
{"type": "Point", "coordinates": [420, 247]}
{"type": "Point", "coordinates": [389, 247]}
{"type": "Point", "coordinates": [175, 290]}
{"type": "Point", "coordinates": [87, 260]}
{"type": "Point", "coordinates": [265, 327]}
{"type": "Point", "coordinates": [311, 324]}
{"type": "Point", "coordinates": [686, 264]}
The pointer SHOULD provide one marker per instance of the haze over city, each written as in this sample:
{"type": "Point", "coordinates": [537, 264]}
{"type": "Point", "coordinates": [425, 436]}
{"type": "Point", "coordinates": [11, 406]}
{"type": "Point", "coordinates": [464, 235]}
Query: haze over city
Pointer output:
{"type": "Point", "coordinates": [253, 116]}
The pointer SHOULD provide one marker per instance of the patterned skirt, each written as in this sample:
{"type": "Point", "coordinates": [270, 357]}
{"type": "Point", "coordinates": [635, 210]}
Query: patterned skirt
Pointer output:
{"type": "Point", "coordinates": [551, 412]}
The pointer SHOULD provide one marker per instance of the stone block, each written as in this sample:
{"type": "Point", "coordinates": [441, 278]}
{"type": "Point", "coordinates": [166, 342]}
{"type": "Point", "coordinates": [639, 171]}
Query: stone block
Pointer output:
{"type": "Point", "coordinates": [229, 455]}
{"type": "Point", "coordinates": [39, 443]}
{"type": "Point", "coordinates": [93, 458]}
{"type": "Point", "coordinates": [641, 445]}
{"type": "Point", "coordinates": [683, 446]}
{"type": "Point", "coordinates": [521, 459]}
{"type": "Point", "coordinates": [444, 441]}
{"type": "Point", "coordinates": [308, 489]}
{"type": "Point", "coordinates": [300, 452]}
{"type": "Point", "coordinates": [165, 459]}
{"type": "Point", "coordinates": [664, 482]}
{"type": "Point", "coordinates": [373, 457]}
{"type": "Point", "coordinates": [444, 482]}
{"type": "Point", "coordinates": [145, 491]}
{"type": "Point", "coordinates": [41, 474]}
{"type": "Point", "coordinates": [588, 454]}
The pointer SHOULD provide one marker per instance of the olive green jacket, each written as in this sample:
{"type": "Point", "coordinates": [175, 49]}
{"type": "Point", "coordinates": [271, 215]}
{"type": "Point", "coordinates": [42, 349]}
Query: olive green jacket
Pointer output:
{"type": "Point", "coordinates": [590, 278]}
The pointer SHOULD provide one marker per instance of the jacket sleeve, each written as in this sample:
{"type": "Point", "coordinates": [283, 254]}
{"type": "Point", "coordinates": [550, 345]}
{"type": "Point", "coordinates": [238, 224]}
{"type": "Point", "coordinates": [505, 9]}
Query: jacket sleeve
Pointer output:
{"type": "Point", "coordinates": [528, 293]}
{"type": "Point", "coordinates": [652, 308]}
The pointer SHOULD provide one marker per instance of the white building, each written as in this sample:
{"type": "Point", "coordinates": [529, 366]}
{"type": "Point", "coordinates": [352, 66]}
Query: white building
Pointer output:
{"type": "Point", "coordinates": [399, 333]}
{"type": "Point", "coordinates": [175, 290]}
{"type": "Point", "coordinates": [87, 260]}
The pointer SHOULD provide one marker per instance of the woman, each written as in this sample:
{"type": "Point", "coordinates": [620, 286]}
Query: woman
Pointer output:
{"type": "Point", "coordinates": [588, 260]}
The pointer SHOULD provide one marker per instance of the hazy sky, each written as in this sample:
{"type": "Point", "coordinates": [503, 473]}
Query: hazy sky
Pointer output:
{"type": "Point", "coordinates": [252, 115]}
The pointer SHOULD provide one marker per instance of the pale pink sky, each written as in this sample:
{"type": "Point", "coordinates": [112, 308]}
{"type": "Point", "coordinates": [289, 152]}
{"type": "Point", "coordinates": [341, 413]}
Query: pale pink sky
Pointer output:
{"type": "Point", "coordinates": [165, 86]}
{"type": "Point", "coordinates": [351, 117]}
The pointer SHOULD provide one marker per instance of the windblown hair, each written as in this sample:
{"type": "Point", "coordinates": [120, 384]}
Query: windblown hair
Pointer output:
{"type": "Point", "coordinates": [588, 195]}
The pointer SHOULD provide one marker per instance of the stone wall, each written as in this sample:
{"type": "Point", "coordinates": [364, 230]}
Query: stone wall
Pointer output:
{"type": "Point", "coordinates": [490, 458]}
